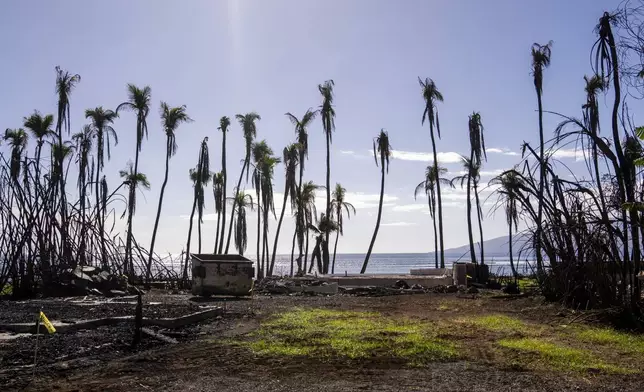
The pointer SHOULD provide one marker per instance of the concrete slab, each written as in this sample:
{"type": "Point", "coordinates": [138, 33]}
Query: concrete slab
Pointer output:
{"type": "Point", "coordinates": [388, 280]}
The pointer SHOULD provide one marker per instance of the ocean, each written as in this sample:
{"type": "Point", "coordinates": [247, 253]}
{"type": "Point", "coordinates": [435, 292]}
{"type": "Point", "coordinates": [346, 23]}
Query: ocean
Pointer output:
{"type": "Point", "coordinates": [399, 263]}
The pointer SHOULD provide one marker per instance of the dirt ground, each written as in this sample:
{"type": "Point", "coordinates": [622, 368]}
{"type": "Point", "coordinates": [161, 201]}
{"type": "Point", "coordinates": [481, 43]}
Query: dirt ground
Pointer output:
{"type": "Point", "coordinates": [204, 360]}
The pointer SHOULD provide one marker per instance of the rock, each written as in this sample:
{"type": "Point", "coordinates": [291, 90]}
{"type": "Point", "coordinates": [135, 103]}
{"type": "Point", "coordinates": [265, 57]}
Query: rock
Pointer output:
{"type": "Point", "coordinates": [451, 289]}
{"type": "Point", "coordinates": [472, 290]}
{"type": "Point", "coordinates": [401, 284]}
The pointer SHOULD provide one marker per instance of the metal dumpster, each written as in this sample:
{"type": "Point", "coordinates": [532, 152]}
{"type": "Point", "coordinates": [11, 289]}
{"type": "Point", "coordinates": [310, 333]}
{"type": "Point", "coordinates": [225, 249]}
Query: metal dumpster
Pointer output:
{"type": "Point", "coordinates": [221, 275]}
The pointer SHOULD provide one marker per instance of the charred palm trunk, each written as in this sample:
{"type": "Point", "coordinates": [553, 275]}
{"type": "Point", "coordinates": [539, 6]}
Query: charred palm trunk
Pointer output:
{"type": "Point", "coordinates": [279, 227]}
{"type": "Point", "coordinates": [192, 215]}
{"type": "Point", "coordinates": [148, 269]}
{"type": "Point", "coordinates": [480, 218]}
{"type": "Point", "coordinates": [232, 214]}
{"type": "Point", "coordinates": [439, 198]}
{"type": "Point", "coordinates": [325, 244]}
{"type": "Point", "coordinates": [375, 232]}
{"type": "Point", "coordinates": [225, 184]}
{"type": "Point", "coordinates": [542, 179]}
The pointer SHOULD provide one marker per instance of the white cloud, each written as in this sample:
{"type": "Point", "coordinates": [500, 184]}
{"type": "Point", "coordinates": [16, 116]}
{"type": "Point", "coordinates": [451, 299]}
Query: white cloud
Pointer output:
{"type": "Point", "coordinates": [368, 200]}
{"type": "Point", "coordinates": [399, 224]}
{"type": "Point", "coordinates": [443, 157]}
{"type": "Point", "coordinates": [347, 152]}
{"type": "Point", "coordinates": [572, 153]}
{"type": "Point", "coordinates": [504, 151]}
{"type": "Point", "coordinates": [409, 207]}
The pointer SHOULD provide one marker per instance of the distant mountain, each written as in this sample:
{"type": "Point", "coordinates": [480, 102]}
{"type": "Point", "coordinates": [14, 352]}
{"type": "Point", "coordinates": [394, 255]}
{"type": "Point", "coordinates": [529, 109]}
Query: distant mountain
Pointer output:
{"type": "Point", "coordinates": [495, 247]}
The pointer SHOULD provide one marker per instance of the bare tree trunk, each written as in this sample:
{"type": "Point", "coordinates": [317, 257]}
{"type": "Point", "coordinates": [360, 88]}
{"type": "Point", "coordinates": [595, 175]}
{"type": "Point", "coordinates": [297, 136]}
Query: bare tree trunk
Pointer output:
{"type": "Point", "coordinates": [325, 245]}
{"type": "Point", "coordinates": [160, 206]}
{"type": "Point", "coordinates": [375, 232]}
{"type": "Point", "coordinates": [439, 199]}
{"type": "Point", "coordinates": [225, 184]}
{"type": "Point", "coordinates": [279, 227]}
{"type": "Point", "coordinates": [192, 215]}
{"type": "Point", "coordinates": [480, 218]}
{"type": "Point", "coordinates": [335, 248]}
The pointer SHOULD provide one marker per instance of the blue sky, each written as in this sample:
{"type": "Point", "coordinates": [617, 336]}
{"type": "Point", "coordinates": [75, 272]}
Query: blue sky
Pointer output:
{"type": "Point", "coordinates": [234, 56]}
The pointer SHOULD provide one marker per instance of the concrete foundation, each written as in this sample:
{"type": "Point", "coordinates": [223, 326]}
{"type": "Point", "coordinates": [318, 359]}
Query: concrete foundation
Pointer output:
{"type": "Point", "coordinates": [388, 280]}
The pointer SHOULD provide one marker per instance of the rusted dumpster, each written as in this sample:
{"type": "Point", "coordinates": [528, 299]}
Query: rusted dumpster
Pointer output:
{"type": "Point", "coordinates": [221, 275]}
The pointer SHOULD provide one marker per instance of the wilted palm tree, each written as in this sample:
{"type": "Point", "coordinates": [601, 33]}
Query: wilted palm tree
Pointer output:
{"type": "Point", "coordinates": [83, 141]}
{"type": "Point", "coordinates": [138, 102]}
{"type": "Point", "coordinates": [224, 124]}
{"type": "Point", "coordinates": [607, 66]}
{"type": "Point", "coordinates": [204, 175]}
{"type": "Point", "coordinates": [433, 175]}
{"type": "Point", "coordinates": [200, 177]}
{"type": "Point", "coordinates": [302, 138]}
{"type": "Point", "coordinates": [291, 159]}
{"type": "Point", "coordinates": [477, 152]}
{"type": "Point", "coordinates": [241, 229]}
{"type": "Point", "coordinates": [338, 203]}
{"type": "Point", "coordinates": [171, 118]}
{"type": "Point", "coordinates": [40, 127]}
{"type": "Point", "coordinates": [324, 225]}
{"type": "Point", "coordinates": [328, 123]}
{"type": "Point", "coordinates": [218, 193]}
{"type": "Point", "coordinates": [249, 128]}
{"type": "Point", "coordinates": [432, 96]}
{"type": "Point", "coordinates": [306, 204]}
{"type": "Point", "coordinates": [260, 152]}
{"type": "Point", "coordinates": [60, 153]}
{"type": "Point", "coordinates": [471, 175]}
{"type": "Point", "coordinates": [381, 149]}
{"type": "Point", "coordinates": [510, 184]}
{"type": "Point", "coordinates": [17, 139]}
{"type": "Point", "coordinates": [101, 122]}
{"type": "Point", "coordinates": [540, 61]}
{"type": "Point", "coordinates": [65, 84]}
{"type": "Point", "coordinates": [133, 181]}
{"type": "Point", "coordinates": [268, 201]}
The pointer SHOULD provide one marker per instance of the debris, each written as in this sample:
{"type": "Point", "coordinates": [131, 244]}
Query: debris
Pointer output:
{"type": "Point", "coordinates": [158, 336]}
{"type": "Point", "coordinates": [472, 290]}
{"type": "Point", "coordinates": [401, 284]}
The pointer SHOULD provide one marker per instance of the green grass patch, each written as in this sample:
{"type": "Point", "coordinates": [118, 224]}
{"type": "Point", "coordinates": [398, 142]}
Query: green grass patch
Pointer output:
{"type": "Point", "coordinates": [559, 357]}
{"type": "Point", "coordinates": [527, 283]}
{"type": "Point", "coordinates": [7, 289]}
{"type": "Point", "coordinates": [622, 341]}
{"type": "Point", "coordinates": [353, 335]}
{"type": "Point", "coordinates": [501, 323]}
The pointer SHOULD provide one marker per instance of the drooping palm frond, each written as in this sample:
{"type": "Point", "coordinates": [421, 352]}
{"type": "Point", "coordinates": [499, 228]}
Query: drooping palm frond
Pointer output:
{"type": "Point", "coordinates": [65, 84]}
{"type": "Point", "coordinates": [301, 131]}
{"type": "Point", "coordinates": [138, 102]}
{"type": "Point", "coordinates": [17, 139]}
{"type": "Point", "coordinates": [39, 125]}
{"type": "Point", "coordinates": [290, 156]}
{"type": "Point", "coordinates": [326, 108]}
{"type": "Point", "coordinates": [338, 204]}
{"type": "Point", "coordinates": [171, 118]}
{"type": "Point", "coordinates": [218, 190]}
{"type": "Point", "coordinates": [540, 60]}
{"type": "Point", "coordinates": [431, 95]}
{"type": "Point", "coordinates": [101, 121]}
{"type": "Point", "coordinates": [382, 149]}
{"type": "Point", "coordinates": [249, 127]}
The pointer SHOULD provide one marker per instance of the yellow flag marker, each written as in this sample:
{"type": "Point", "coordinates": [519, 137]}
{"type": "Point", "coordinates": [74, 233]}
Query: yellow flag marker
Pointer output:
{"type": "Point", "coordinates": [47, 323]}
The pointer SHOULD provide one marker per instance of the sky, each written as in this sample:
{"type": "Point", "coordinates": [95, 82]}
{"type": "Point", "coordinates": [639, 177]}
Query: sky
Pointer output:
{"type": "Point", "coordinates": [223, 57]}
